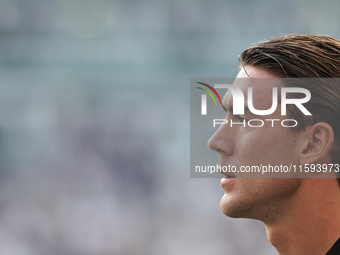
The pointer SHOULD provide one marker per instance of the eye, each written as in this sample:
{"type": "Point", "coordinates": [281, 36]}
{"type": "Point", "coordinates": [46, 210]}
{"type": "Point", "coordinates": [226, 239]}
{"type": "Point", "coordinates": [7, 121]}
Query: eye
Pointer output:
{"type": "Point", "coordinates": [239, 117]}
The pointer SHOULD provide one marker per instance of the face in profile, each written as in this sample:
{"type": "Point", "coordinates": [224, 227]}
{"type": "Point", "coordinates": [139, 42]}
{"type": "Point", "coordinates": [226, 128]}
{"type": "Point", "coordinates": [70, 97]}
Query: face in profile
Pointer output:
{"type": "Point", "coordinates": [258, 198]}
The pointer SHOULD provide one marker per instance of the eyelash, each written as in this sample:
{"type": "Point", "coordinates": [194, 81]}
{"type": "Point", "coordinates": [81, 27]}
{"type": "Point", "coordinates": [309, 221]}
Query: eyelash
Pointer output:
{"type": "Point", "coordinates": [239, 118]}
{"type": "Point", "coordinates": [235, 116]}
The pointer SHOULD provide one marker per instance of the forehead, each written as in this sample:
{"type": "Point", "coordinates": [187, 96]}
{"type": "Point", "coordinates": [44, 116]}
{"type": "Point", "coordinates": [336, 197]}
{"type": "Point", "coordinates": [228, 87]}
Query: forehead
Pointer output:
{"type": "Point", "coordinates": [261, 82]}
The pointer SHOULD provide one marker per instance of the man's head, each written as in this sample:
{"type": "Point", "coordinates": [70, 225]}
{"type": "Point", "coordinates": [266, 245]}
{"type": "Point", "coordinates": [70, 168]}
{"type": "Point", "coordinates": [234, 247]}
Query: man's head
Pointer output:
{"type": "Point", "coordinates": [295, 56]}
{"type": "Point", "coordinates": [305, 56]}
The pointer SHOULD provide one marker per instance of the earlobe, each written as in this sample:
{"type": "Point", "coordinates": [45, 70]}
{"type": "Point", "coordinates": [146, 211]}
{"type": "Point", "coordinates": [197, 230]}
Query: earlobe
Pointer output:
{"type": "Point", "coordinates": [317, 143]}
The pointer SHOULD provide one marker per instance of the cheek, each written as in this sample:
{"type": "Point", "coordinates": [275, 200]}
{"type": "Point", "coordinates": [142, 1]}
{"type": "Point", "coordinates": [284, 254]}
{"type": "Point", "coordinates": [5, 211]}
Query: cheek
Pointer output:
{"type": "Point", "coordinates": [260, 187]}
{"type": "Point", "coordinates": [265, 145]}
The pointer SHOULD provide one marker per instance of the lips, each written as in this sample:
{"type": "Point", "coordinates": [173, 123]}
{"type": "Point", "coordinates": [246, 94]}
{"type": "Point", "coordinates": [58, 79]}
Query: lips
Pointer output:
{"type": "Point", "coordinates": [226, 182]}
{"type": "Point", "coordinates": [227, 169]}
{"type": "Point", "coordinates": [228, 174]}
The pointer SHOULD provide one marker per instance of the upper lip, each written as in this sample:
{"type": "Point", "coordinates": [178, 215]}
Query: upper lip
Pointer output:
{"type": "Point", "coordinates": [227, 174]}
{"type": "Point", "coordinates": [222, 162]}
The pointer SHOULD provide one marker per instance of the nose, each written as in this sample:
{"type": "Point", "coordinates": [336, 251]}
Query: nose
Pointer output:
{"type": "Point", "coordinates": [221, 141]}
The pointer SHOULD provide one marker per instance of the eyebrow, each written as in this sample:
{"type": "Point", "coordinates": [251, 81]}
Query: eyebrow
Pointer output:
{"type": "Point", "coordinates": [230, 108]}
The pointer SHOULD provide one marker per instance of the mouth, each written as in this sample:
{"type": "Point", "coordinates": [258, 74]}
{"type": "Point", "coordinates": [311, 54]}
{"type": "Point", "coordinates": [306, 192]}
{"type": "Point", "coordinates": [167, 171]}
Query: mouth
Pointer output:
{"type": "Point", "coordinates": [227, 180]}
{"type": "Point", "coordinates": [228, 170]}
{"type": "Point", "coordinates": [229, 176]}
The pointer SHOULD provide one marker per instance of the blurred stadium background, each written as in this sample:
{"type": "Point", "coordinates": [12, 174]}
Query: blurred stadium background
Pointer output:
{"type": "Point", "coordinates": [94, 130]}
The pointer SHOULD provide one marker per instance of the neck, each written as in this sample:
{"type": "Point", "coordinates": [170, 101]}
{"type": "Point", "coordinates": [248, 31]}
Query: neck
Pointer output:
{"type": "Point", "coordinates": [310, 224]}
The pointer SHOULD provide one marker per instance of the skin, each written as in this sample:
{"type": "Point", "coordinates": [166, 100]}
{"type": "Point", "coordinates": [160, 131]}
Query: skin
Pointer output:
{"type": "Point", "coordinates": [302, 216]}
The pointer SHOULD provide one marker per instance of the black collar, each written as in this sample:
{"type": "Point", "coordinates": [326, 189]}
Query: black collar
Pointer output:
{"type": "Point", "coordinates": [335, 250]}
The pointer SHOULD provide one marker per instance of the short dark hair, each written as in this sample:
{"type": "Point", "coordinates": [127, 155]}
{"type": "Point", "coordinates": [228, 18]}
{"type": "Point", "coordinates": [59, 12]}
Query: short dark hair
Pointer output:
{"type": "Point", "coordinates": [305, 56]}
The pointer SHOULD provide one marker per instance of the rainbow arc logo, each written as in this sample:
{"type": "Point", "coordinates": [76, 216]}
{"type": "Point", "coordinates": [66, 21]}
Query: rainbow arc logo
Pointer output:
{"type": "Point", "coordinates": [204, 97]}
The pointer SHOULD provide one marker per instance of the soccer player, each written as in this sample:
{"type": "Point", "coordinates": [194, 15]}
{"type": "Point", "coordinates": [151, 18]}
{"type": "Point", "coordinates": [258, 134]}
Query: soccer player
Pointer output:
{"type": "Point", "coordinates": [301, 215]}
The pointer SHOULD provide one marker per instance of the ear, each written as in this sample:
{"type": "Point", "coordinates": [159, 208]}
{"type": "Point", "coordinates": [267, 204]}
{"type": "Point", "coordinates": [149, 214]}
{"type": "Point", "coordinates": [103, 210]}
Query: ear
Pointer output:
{"type": "Point", "coordinates": [316, 143]}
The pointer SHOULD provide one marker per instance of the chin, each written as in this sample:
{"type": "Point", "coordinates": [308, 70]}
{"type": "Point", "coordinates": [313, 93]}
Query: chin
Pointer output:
{"type": "Point", "coordinates": [236, 208]}
{"type": "Point", "coordinates": [228, 207]}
